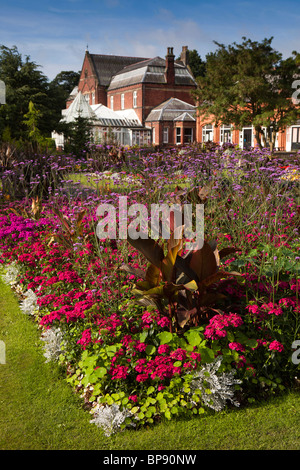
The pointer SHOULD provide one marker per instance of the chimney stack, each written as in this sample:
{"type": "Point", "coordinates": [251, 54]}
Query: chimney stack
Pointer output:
{"type": "Point", "coordinates": [184, 56]}
{"type": "Point", "coordinates": [170, 72]}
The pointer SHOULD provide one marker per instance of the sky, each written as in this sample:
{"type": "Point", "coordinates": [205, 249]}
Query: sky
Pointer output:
{"type": "Point", "coordinates": [55, 34]}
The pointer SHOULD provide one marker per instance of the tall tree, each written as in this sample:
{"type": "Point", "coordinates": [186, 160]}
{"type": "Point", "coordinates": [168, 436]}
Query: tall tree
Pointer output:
{"type": "Point", "coordinates": [26, 84]}
{"type": "Point", "coordinates": [59, 90]}
{"type": "Point", "coordinates": [249, 84]}
{"type": "Point", "coordinates": [197, 65]}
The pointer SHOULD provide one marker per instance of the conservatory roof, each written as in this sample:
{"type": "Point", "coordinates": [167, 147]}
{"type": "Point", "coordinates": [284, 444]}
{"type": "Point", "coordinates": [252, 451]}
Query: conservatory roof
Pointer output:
{"type": "Point", "coordinates": [173, 109]}
{"type": "Point", "coordinates": [78, 107]}
{"type": "Point", "coordinates": [100, 115]}
{"type": "Point", "coordinates": [107, 117]}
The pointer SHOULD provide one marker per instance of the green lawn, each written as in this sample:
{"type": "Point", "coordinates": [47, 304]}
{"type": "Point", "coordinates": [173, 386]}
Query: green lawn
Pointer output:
{"type": "Point", "coordinates": [39, 411]}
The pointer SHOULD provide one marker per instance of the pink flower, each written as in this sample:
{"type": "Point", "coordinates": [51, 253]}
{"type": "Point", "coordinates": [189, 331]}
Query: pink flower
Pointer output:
{"type": "Point", "coordinates": [196, 356]}
{"type": "Point", "coordinates": [163, 322]}
{"type": "Point", "coordinates": [142, 377]}
{"type": "Point", "coordinates": [179, 354]}
{"type": "Point", "coordinates": [119, 372]}
{"type": "Point", "coordinates": [163, 349]}
{"type": "Point", "coordinates": [237, 346]}
{"type": "Point", "coordinates": [253, 309]}
{"type": "Point", "coordinates": [218, 324]}
{"type": "Point", "coordinates": [133, 398]}
{"type": "Point", "coordinates": [276, 346]}
{"type": "Point", "coordinates": [140, 346]}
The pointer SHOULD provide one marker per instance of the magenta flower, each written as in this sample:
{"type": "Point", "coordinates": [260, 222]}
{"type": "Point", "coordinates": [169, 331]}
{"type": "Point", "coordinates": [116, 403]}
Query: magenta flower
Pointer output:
{"type": "Point", "coordinates": [163, 349]}
{"type": "Point", "coordinates": [237, 346]}
{"type": "Point", "coordinates": [276, 346]}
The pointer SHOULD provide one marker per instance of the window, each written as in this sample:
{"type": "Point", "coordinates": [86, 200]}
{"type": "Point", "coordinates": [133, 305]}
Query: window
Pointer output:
{"type": "Point", "coordinates": [207, 133]}
{"type": "Point", "coordinates": [135, 99]}
{"type": "Point", "coordinates": [153, 135]}
{"type": "Point", "coordinates": [122, 101]}
{"type": "Point", "coordinates": [188, 135]}
{"type": "Point", "coordinates": [111, 102]}
{"type": "Point", "coordinates": [178, 135]}
{"type": "Point", "coordinates": [225, 136]}
{"type": "Point", "coordinates": [165, 135]}
{"type": "Point", "coordinates": [93, 97]}
{"type": "Point", "coordinates": [295, 138]}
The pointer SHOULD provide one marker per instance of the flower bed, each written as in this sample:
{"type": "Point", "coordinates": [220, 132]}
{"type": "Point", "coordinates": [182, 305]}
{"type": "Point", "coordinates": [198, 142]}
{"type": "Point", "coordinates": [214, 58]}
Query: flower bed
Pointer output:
{"type": "Point", "coordinates": [133, 360]}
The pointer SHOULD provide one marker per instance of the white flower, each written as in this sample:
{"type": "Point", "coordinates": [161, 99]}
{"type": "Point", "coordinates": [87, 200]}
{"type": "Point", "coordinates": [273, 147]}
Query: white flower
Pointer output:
{"type": "Point", "coordinates": [29, 303]}
{"type": "Point", "coordinates": [220, 386]}
{"type": "Point", "coordinates": [53, 338]}
{"type": "Point", "coordinates": [110, 418]}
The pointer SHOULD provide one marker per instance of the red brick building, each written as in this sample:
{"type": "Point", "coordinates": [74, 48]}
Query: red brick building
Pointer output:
{"type": "Point", "coordinates": [286, 140]}
{"type": "Point", "coordinates": [133, 86]}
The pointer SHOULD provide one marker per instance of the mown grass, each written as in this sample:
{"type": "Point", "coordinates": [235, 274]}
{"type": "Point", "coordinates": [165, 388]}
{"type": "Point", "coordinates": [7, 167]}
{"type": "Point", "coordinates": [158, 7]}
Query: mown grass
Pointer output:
{"type": "Point", "coordinates": [39, 411]}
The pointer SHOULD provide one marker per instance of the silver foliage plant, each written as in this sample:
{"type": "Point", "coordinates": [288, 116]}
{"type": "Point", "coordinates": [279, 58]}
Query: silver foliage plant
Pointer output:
{"type": "Point", "coordinates": [110, 418]}
{"type": "Point", "coordinates": [29, 304]}
{"type": "Point", "coordinates": [12, 271]}
{"type": "Point", "coordinates": [220, 386]}
{"type": "Point", "coordinates": [52, 338]}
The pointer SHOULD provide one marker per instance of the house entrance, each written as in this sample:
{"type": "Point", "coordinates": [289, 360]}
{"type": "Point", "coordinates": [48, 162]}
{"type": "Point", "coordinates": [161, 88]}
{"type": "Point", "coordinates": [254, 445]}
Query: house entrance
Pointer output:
{"type": "Point", "coordinates": [247, 138]}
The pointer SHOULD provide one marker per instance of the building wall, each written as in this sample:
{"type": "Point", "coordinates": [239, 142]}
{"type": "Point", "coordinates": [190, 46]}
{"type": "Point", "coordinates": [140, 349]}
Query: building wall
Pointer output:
{"type": "Point", "coordinates": [128, 93]}
{"type": "Point", "coordinates": [148, 97]}
{"type": "Point", "coordinates": [283, 137]}
{"type": "Point", "coordinates": [158, 131]}
{"type": "Point", "coordinates": [88, 84]}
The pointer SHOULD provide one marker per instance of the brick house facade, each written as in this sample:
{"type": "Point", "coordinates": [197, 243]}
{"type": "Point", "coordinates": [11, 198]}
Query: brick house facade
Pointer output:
{"type": "Point", "coordinates": [134, 86]}
{"type": "Point", "coordinates": [287, 139]}
{"type": "Point", "coordinates": [140, 89]}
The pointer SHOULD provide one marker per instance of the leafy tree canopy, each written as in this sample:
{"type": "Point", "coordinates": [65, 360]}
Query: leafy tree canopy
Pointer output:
{"type": "Point", "coordinates": [249, 84]}
{"type": "Point", "coordinates": [196, 64]}
{"type": "Point", "coordinates": [26, 84]}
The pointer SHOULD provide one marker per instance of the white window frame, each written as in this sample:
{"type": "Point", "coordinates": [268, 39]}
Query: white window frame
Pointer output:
{"type": "Point", "coordinates": [153, 135]}
{"type": "Point", "coordinates": [242, 143]}
{"type": "Point", "coordinates": [111, 102]}
{"type": "Point", "coordinates": [224, 128]}
{"type": "Point", "coordinates": [210, 128]}
{"type": "Point", "coordinates": [134, 99]}
{"type": "Point", "coordinates": [165, 135]}
{"type": "Point", "coordinates": [178, 135]}
{"type": "Point", "coordinates": [122, 101]}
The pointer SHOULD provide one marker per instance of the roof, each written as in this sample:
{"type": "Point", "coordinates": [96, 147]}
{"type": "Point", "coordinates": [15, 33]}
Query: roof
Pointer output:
{"type": "Point", "coordinates": [185, 117]}
{"type": "Point", "coordinates": [173, 109]}
{"type": "Point", "coordinates": [106, 66]}
{"type": "Point", "coordinates": [150, 71]}
{"type": "Point", "coordinates": [100, 114]}
{"type": "Point", "coordinates": [78, 107]}
{"type": "Point", "coordinates": [107, 117]}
